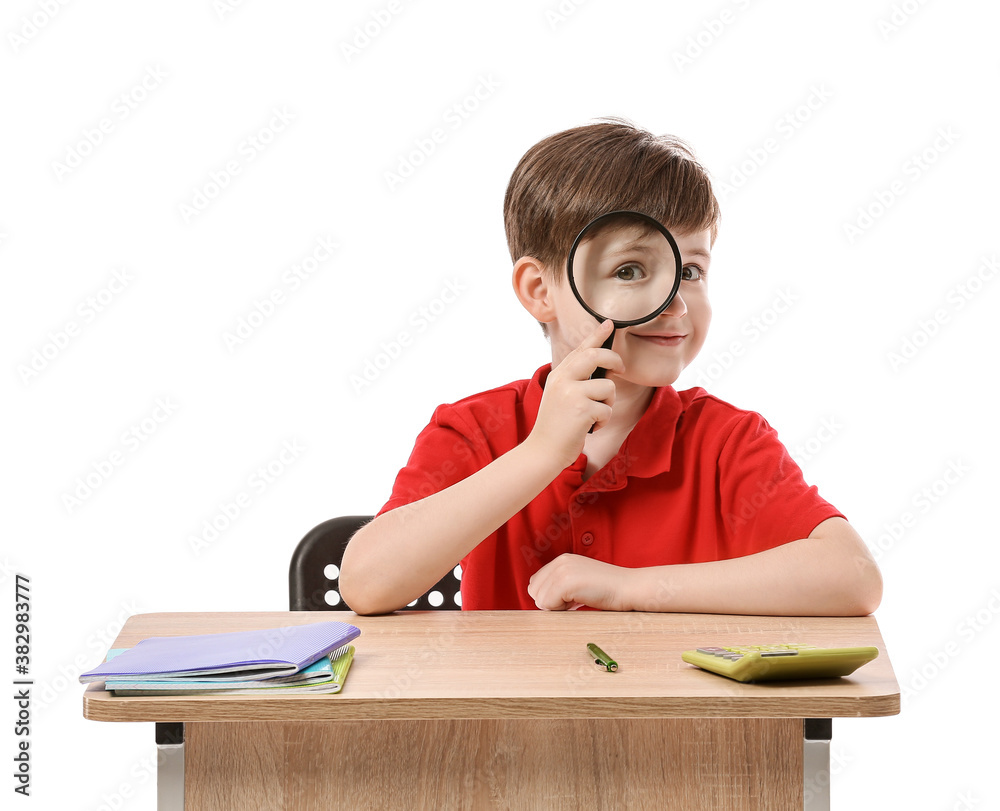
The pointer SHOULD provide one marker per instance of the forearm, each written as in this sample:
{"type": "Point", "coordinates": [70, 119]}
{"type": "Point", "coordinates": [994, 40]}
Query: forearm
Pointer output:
{"type": "Point", "coordinates": [402, 553]}
{"type": "Point", "coordinates": [808, 577]}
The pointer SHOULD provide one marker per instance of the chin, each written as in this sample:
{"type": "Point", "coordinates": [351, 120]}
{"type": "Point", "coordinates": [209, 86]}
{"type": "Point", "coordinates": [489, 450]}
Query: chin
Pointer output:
{"type": "Point", "coordinates": [654, 377]}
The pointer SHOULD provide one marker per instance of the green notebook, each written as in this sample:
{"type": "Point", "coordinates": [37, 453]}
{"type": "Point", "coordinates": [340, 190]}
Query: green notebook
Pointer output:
{"type": "Point", "coordinates": [327, 675]}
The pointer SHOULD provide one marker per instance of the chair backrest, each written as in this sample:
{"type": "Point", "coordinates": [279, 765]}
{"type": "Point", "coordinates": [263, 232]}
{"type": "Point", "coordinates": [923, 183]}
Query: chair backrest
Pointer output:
{"type": "Point", "coordinates": [314, 573]}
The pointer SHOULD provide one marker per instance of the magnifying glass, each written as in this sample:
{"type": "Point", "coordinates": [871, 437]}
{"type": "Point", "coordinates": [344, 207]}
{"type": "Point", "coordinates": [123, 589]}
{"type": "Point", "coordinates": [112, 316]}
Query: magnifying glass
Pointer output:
{"type": "Point", "coordinates": [625, 267]}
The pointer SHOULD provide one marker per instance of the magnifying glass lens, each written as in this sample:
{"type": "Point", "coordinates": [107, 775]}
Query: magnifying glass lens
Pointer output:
{"type": "Point", "coordinates": [625, 267]}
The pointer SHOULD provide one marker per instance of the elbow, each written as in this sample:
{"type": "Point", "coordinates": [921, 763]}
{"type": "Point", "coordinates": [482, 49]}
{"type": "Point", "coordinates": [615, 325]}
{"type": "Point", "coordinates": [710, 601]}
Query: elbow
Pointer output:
{"type": "Point", "coordinates": [362, 586]}
{"type": "Point", "coordinates": [362, 600]}
{"type": "Point", "coordinates": [359, 593]}
{"type": "Point", "coordinates": [364, 608]}
{"type": "Point", "coordinates": [862, 593]}
{"type": "Point", "coordinates": [353, 598]}
{"type": "Point", "coordinates": [852, 576]}
{"type": "Point", "coordinates": [870, 592]}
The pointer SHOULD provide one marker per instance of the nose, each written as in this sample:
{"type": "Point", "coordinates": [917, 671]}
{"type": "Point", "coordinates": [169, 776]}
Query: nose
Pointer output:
{"type": "Point", "coordinates": [677, 307]}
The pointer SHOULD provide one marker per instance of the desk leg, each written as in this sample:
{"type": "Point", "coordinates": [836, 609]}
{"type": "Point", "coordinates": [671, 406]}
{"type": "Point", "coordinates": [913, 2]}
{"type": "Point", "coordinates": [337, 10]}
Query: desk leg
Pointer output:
{"type": "Point", "coordinates": [817, 734]}
{"type": "Point", "coordinates": [170, 767]}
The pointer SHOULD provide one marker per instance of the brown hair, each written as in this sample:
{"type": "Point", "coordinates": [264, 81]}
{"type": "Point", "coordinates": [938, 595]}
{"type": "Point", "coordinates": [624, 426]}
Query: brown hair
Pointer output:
{"type": "Point", "coordinates": [568, 179]}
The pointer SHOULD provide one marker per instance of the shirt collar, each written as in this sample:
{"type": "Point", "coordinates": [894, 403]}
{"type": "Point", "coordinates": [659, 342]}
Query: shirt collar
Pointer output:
{"type": "Point", "coordinates": [647, 450]}
{"type": "Point", "coordinates": [649, 446]}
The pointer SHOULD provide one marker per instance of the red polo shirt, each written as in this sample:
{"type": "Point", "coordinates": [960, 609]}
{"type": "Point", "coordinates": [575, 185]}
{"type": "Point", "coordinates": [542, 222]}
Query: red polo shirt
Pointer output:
{"type": "Point", "coordinates": [696, 480]}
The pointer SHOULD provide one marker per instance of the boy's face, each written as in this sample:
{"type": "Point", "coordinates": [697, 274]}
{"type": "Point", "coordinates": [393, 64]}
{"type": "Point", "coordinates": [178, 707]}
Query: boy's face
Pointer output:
{"type": "Point", "coordinates": [654, 353]}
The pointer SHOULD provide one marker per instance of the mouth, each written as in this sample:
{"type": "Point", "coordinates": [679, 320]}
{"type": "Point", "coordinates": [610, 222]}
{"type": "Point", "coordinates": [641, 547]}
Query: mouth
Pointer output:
{"type": "Point", "coordinates": [662, 339]}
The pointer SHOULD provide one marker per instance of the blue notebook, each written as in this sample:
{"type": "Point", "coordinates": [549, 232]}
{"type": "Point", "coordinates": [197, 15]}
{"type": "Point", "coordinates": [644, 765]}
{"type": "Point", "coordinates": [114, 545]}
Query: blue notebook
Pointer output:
{"type": "Point", "coordinates": [326, 675]}
{"type": "Point", "coordinates": [235, 656]}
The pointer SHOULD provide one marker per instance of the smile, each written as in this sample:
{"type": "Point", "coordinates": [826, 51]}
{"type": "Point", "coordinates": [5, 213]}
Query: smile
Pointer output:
{"type": "Point", "coordinates": [661, 340]}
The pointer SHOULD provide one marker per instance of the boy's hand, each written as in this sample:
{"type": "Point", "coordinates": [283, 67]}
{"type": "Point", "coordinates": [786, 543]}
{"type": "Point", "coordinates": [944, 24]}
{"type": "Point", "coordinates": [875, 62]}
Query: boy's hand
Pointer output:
{"type": "Point", "coordinates": [571, 581]}
{"type": "Point", "coordinates": [572, 403]}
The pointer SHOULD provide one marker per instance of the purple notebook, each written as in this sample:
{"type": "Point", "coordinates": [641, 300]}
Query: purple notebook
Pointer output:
{"type": "Point", "coordinates": [236, 656]}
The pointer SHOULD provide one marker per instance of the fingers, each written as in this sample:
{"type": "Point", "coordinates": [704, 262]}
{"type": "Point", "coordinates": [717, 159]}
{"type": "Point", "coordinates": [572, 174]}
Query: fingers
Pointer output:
{"type": "Point", "coordinates": [573, 402]}
{"type": "Point", "coordinates": [581, 363]}
{"type": "Point", "coordinates": [548, 586]}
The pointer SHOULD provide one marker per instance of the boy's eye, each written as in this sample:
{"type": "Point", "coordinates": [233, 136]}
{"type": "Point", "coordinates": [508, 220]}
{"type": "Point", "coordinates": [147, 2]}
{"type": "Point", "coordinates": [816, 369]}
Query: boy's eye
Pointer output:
{"type": "Point", "coordinates": [692, 273]}
{"type": "Point", "coordinates": [629, 273]}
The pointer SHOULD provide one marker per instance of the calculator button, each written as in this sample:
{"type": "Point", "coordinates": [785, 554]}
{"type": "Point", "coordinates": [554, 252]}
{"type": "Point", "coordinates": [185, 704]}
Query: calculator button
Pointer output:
{"type": "Point", "coordinates": [710, 650]}
{"type": "Point", "coordinates": [779, 653]}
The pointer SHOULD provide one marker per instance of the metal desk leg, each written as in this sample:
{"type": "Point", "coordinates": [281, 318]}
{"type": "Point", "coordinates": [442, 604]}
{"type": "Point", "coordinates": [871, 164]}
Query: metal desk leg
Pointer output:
{"type": "Point", "coordinates": [816, 736]}
{"type": "Point", "coordinates": [169, 767]}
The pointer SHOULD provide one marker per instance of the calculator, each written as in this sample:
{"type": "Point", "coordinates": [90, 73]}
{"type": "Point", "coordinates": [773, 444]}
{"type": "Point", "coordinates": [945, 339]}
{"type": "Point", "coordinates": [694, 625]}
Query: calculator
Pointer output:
{"type": "Point", "coordinates": [774, 662]}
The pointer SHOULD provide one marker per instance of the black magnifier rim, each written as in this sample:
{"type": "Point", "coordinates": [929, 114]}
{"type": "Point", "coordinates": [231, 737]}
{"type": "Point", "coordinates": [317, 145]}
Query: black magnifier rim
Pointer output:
{"type": "Point", "coordinates": [678, 262]}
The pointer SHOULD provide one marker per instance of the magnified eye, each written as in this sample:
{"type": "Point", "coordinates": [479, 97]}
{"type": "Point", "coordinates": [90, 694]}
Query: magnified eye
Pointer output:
{"type": "Point", "coordinates": [629, 273]}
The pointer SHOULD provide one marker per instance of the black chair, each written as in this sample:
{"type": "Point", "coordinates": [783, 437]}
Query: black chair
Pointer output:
{"type": "Point", "coordinates": [314, 573]}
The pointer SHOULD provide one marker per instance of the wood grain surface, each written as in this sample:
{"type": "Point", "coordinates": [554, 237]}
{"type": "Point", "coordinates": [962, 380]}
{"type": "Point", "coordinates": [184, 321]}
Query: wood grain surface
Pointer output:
{"type": "Point", "coordinates": [508, 765]}
{"type": "Point", "coordinates": [454, 665]}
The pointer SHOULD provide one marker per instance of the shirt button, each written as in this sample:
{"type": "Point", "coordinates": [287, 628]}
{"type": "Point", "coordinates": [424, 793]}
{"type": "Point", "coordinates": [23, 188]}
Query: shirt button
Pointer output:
{"type": "Point", "coordinates": [587, 538]}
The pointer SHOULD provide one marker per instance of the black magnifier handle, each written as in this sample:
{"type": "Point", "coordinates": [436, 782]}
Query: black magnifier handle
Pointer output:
{"type": "Point", "coordinates": [600, 371]}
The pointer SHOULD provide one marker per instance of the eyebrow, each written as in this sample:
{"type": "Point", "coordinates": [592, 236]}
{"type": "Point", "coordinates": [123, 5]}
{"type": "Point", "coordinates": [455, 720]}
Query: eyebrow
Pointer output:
{"type": "Point", "coordinates": [699, 254]}
{"type": "Point", "coordinates": [640, 245]}
{"type": "Point", "coordinates": [637, 245]}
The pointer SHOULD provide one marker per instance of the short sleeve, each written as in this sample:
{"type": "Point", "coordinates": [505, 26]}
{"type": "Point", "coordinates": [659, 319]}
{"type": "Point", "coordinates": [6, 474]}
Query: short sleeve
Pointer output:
{"type": "Point", "coordinates": [447, 451]}
{"type": "Point", "coordinates": [764, 499]}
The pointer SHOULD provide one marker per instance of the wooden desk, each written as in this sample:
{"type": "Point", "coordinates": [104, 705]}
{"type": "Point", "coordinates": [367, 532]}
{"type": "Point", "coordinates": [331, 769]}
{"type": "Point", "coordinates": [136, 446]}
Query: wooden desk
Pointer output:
{"type": "Point", "coordinates": [505, 710]}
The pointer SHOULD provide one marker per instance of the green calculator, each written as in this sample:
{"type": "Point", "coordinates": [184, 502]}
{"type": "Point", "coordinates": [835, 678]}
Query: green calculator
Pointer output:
{"type": "Point", "coordinates": [774, 662]}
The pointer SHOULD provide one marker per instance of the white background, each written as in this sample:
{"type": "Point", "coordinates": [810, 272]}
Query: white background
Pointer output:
{"type": "Point", "coordinates": [854, 150]}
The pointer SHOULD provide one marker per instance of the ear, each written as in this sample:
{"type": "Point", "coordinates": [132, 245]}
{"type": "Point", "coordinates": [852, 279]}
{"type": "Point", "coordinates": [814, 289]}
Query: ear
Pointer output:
{"type": "Point", "coordinates": [534, 289]}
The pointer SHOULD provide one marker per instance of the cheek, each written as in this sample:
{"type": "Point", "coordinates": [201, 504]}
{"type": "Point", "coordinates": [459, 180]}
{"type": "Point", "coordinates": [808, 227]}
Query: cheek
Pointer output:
{"type": "Point", "coordinates": [700, 313]}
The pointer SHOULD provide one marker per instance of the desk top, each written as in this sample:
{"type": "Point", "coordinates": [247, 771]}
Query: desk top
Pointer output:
{"type": "Point", "coordinates": [527, 664]}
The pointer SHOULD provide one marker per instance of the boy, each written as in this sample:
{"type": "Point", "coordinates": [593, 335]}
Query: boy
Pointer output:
{"type": "Point", "coordinates": [676, 501]}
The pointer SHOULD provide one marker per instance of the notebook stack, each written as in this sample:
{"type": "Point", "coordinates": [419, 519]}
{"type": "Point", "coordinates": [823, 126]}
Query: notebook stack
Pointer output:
{"type": "Point", "coordinates": [311, 658]}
